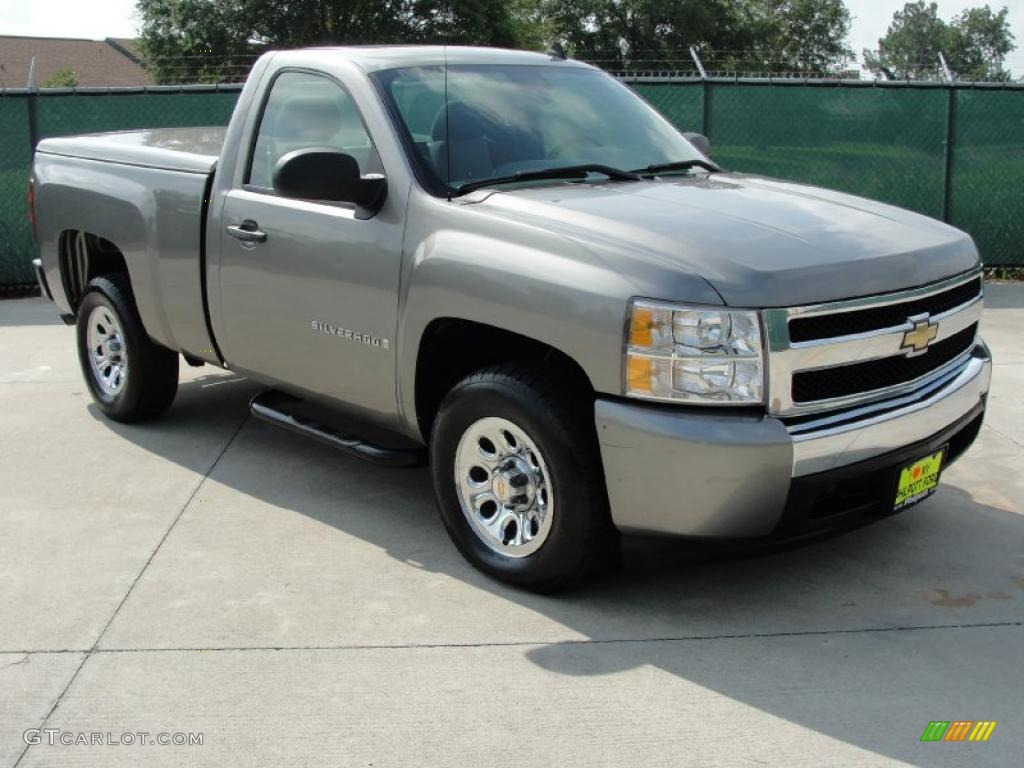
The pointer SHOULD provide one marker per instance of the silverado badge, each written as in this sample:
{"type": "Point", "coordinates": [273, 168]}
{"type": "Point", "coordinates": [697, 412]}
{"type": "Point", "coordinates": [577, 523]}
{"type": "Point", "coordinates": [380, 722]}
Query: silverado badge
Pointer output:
{"type": "Point", "coordinates": [346, 333]}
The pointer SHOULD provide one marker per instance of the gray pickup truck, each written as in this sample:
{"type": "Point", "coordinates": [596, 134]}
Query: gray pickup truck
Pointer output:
{"type": "Point", "coordinates": [508, 264]}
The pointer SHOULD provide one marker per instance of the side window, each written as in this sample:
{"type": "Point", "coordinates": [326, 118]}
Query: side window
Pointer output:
{"type": "Point", "coordinates": [305, 111]}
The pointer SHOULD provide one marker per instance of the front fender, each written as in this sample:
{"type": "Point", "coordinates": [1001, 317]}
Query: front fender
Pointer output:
{"type": "Point", "coordinates": [466, 264]}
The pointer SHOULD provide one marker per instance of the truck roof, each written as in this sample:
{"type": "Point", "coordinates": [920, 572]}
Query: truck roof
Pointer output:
{"type": "Point", "coordinates": [377, 57]}
{"type": "Point", "coordinates": [195, 150]}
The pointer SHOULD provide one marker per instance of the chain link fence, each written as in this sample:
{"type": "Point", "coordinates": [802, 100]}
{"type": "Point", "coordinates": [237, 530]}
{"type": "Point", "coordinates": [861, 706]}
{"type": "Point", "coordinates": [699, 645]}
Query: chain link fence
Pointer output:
{"type": "Point", "coordinates": [882, 143]}
{"type": "Point", "coordinates": [15, 159]}
{"type": "Point", "coordinates": [27, 117]}
{"type": "Point", "coordinates": [954, 152]}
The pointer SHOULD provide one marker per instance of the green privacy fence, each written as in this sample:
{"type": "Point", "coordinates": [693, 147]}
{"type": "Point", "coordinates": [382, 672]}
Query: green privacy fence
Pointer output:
{"type": "Point", "coordinates": [15, 158]}
{"type": "Point", "coordinates": [25, 117]}
{"type": "Point", "coordinates": [955, 152]}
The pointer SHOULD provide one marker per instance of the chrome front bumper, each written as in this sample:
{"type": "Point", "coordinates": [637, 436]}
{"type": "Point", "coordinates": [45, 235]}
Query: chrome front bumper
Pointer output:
{"type": "Point", "coordinates": [833, 442]}
{"type": "Point", "coordinates": [692, 473]}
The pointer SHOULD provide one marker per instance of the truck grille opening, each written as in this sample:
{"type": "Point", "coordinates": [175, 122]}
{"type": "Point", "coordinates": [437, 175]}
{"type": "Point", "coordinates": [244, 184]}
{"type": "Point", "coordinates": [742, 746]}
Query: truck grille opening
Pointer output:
{"type": "Point", "coordinates": [877, 318]}
{"type": "Point", "coordinates": [858, 378]}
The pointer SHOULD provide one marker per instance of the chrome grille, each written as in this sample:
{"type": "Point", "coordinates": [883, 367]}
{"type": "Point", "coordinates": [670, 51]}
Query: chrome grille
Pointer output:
{"type": "Point", "coordinates": [844, 380]}
{"type": "Point", "coordinates": [868, 355]}
{"type": "Point", "coordinates": [885, 316]}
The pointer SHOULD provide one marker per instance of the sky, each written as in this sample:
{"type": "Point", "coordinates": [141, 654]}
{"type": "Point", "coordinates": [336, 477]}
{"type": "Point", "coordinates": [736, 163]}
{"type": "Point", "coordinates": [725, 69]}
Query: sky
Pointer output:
{"type": "Point", "coordinates": [115, 18]}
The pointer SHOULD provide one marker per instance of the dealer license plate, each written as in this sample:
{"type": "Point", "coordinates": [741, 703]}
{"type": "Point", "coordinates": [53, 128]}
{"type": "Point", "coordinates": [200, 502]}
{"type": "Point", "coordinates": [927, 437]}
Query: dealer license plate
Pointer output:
{"type": "Point", "coordinates": [919, 480]}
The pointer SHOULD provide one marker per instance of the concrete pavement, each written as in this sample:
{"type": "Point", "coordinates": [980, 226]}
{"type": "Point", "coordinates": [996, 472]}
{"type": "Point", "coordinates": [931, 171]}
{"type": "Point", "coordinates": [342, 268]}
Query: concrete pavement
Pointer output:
{"type": "Point", "coordinates": [211, 574]}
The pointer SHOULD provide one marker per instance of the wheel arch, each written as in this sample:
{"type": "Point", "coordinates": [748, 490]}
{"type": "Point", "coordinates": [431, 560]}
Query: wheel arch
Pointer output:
{"type": "Point", "coordinates": [81, 257]}
{"type": "Point", "coordinates": [451, 348]}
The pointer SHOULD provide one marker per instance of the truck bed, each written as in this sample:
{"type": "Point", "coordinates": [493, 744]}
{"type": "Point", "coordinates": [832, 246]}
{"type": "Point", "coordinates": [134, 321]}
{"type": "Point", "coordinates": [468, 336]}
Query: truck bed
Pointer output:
{"type": "Point", "coordinates": [145, 193]}
{"type": "Point", "coordinates": [191, 150]}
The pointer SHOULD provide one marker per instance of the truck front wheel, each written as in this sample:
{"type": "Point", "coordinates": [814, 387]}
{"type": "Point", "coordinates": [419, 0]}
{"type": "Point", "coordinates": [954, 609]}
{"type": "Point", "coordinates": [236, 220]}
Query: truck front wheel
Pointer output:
{"type": "Point", "coordinates": [129, 377]}
{"type": "Point", "coordinates": [518, 478]}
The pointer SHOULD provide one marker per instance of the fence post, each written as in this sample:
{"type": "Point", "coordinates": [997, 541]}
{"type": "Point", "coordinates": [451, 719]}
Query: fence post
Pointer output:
{"type": "Point", "coordinates": [30, 101]}
{"type": "Point", "coordinates": [705, 109]}
{"type": "Point", "coordinates": [946, 74]}
{"type": "Point", "coordinates": [949, 149]}
{"type": "Point", "coordinates": [705, 105]}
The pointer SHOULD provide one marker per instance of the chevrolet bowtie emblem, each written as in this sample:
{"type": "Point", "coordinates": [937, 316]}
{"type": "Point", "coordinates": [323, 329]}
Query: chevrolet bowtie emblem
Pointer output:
{"type": "Point", "coordinates": [917, 339]}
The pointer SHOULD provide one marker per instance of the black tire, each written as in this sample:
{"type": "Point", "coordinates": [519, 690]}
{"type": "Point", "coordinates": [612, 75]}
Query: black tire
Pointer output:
{"type": "Point", "coordinates": [151, 378]}
{"type": "Point", "coordinates": [553, 412]}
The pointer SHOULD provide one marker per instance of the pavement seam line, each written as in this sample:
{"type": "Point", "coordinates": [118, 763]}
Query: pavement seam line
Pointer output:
{"type": "Point", "coordinates": [174, 523]}
{"type": "Point", "coordinates": [88, 654]}
{"type": "Point", "coordinates": [531, 643]}
{"type": "Point", "coordinates": [1003, 434]}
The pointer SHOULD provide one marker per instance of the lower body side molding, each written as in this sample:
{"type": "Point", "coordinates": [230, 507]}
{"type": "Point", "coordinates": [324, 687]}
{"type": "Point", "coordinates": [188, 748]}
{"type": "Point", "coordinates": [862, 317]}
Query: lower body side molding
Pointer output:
{"type": "Point", "coordinates": [298, 416]}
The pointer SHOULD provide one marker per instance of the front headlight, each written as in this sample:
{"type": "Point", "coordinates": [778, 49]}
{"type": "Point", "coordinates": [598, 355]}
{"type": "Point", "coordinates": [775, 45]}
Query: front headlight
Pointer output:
{"type": "Point", "coordinates": [711, 356]}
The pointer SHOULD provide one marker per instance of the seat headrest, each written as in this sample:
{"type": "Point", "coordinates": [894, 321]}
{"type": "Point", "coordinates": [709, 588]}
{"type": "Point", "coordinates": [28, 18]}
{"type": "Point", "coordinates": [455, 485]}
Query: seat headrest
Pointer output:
{"type": "Point", "coordinates": [467, 123]}
{"type": "Point", "coordinates": [423, 112]}
{"type": "Point", "coordinates": [309, 118]}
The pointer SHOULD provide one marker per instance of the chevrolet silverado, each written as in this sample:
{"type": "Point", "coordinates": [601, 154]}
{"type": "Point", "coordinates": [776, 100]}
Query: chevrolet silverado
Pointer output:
{"type": "Point", "coordinates": [509, 265]}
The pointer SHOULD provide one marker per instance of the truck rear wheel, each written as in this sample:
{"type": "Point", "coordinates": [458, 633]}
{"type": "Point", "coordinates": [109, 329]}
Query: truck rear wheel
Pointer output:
{"type": "Point", "coordinates": [130, 378]}
{"type": "Point", "coordinates": [518, 479]}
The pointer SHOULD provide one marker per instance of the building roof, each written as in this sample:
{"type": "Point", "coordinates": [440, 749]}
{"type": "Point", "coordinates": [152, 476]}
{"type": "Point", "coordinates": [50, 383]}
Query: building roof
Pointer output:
{"type": "Point", "coordinates": [110, 62]}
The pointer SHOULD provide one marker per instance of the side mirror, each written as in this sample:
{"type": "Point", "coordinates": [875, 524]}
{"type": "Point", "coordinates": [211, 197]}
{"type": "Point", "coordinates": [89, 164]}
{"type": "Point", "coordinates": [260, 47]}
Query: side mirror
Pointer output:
{"type": "Point", "coordinates": [700, 141]}
{"type": "Point", "coordinates": [329, 176]}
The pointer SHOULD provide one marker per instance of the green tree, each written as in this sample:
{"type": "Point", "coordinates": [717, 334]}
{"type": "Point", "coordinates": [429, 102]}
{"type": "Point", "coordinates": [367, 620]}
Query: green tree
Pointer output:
{"type": "Point", "coordinates": [188, 41]}
{"type": "Point", "coordinates": [743, 35]}
{"type": "Point", "coordinates": [459, 22]}
{"type": "Point", "coordinates": [209, 40]}
{"type": "Point", "coordinates": [62, 78]}
{"type": "Point", "coordinates": [532, 29]}
{"type": "Point", "coordinates": [199, 40]}
{"type": "Point", "coordinates": [979, 41]}
{"type": "Point", "coordinates": [802, 35]}
{"type": "Point", "coordinates": [911, 46]}
{"type": "Point", "coordinates": [295, 23]}
{"type": "Point", "coordinates": [975, 44]}
{"type": "Point", "coordinates": [647, 34]}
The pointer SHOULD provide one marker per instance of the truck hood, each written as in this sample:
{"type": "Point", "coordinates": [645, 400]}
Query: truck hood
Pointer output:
{"type": "Point", "coordinates": [759, 242]}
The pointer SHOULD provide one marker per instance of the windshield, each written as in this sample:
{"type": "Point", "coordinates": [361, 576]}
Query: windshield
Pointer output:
{"type": "Point", "coordinates": [511, 119]}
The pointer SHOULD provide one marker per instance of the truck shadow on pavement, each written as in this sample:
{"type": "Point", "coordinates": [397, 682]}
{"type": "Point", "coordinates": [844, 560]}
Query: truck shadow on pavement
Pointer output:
{"type": "Point", "coordinates": [19, 312]}
{"type": "Point", "coordinates": [863, 638]}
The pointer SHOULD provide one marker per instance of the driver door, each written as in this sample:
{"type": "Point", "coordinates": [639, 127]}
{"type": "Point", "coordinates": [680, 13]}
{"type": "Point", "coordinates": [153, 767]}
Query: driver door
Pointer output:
{"type": "Point", "coordinates": [309, 292]}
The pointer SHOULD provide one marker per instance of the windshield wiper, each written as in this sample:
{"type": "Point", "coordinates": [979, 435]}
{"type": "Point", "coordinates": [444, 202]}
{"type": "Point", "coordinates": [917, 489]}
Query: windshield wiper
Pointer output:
{"type": "Point", "coordinates": [563, 172]}
{"type": "Point", "coordinates": [680, 165]}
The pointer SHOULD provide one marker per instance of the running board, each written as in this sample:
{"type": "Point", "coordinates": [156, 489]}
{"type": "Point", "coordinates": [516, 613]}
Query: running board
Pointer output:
{"type": "Point", "coordinates": [298, 416]}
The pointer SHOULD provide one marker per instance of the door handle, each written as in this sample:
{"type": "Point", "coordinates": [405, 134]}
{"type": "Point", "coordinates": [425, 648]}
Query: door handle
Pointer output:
{"type": "Point", "coordinates": [248, 232]}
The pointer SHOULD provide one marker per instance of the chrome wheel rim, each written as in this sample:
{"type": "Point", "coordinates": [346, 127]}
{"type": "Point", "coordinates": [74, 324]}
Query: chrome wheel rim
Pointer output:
{"type": "Point", "coordinates": [504, 487]}
{"type": "Point", "coordinates": [107, 356]}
